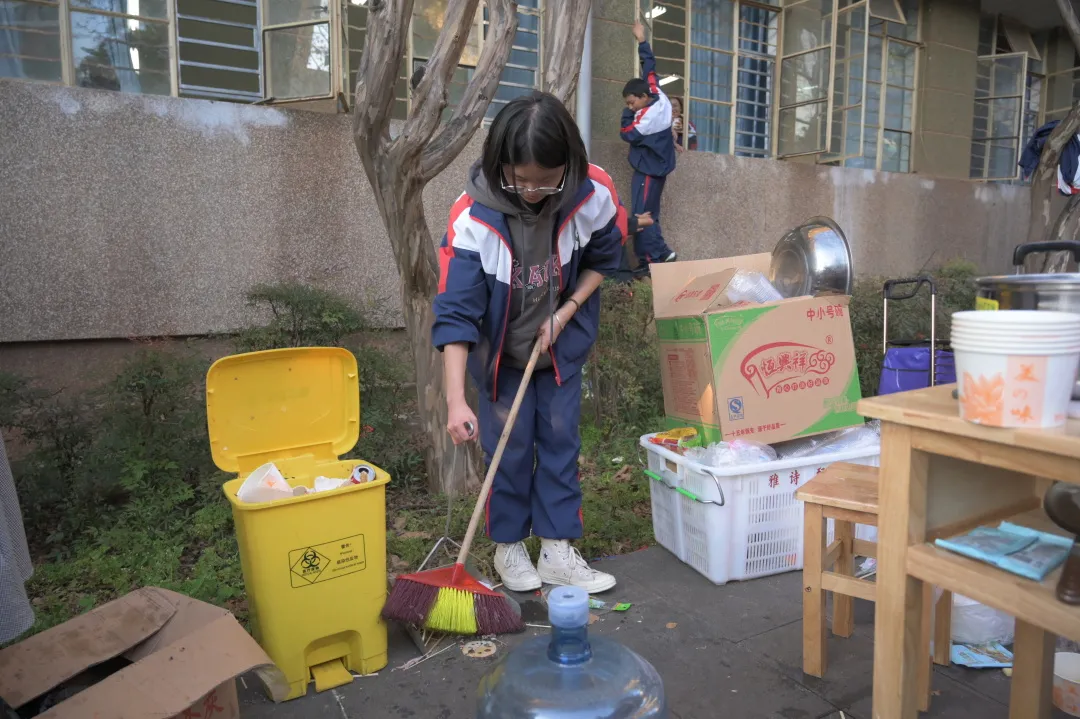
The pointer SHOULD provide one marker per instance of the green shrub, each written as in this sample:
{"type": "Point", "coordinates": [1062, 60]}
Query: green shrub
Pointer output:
{"type": "Point", "coordinates": [300, 316]}
{"type": "Point", "coordinates": [908, 320]}
{"type": "Point", "coordinates": [623, 389]}
{"type": "Point", "coordinates": [117, 486]}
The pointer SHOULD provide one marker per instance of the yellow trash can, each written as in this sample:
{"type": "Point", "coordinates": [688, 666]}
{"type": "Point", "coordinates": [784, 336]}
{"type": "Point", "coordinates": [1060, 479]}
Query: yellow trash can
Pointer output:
{"type": "Point", "coordinates": [314, 565]}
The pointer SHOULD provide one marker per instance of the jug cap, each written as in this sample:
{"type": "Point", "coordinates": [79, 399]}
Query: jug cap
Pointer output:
{"type": "Point", "coordinates": [568, 607]}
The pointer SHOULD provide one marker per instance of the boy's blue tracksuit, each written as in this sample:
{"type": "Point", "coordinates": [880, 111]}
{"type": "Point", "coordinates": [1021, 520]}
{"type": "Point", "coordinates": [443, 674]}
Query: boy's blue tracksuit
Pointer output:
{"type": "Point", "coordinates": [652, 155]}
{"type": "Point", "coordinates": [536, 488]}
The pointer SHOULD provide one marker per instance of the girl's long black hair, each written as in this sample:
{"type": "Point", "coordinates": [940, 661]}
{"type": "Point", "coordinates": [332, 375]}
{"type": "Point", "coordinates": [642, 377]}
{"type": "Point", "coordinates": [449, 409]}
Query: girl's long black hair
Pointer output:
{"type": "Point", "coordinates": [535, 128]}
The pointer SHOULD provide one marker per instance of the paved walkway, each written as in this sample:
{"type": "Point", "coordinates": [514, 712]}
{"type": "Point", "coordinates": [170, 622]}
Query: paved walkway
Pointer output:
{"type": "Point", "coordinates": [734, 651]}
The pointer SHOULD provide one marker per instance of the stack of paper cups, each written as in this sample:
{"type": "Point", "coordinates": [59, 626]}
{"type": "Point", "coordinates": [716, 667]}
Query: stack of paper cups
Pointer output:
{"type": "Point", "coordinates": [1016, 368]}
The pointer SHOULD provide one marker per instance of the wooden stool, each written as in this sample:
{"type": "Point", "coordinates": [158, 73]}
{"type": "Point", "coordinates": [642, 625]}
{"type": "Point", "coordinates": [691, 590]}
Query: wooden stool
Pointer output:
{"type": "Point", "coordinates": [848, 494]}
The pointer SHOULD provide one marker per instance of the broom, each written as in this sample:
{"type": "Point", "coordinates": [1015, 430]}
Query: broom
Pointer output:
{"type": "Point", "coordinates": [449, 599]}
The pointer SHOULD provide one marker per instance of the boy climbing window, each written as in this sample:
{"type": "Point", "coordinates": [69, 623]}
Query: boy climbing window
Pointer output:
{"type": "Point", "coordinates": [646, 125]}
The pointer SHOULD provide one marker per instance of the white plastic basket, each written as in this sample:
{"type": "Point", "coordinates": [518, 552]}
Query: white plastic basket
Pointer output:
{"type": "Point", "coordinates": [736, 522]}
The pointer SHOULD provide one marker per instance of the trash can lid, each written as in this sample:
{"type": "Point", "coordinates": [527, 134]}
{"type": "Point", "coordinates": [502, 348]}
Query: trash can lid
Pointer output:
{"type": "Point", "coordinates": [266, 406]}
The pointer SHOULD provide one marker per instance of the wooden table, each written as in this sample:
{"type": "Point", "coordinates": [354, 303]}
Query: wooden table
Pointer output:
{"type": "Point", "coordinates": [941, 476]}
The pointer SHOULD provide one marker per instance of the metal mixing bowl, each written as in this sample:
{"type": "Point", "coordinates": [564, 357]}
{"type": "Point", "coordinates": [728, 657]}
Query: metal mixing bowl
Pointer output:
{"type": "Point", "coordinates": [812, 259]}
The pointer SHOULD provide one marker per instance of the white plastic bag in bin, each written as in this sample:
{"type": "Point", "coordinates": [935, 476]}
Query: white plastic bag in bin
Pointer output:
{"type": "Point", "coordinates": [265, 484]}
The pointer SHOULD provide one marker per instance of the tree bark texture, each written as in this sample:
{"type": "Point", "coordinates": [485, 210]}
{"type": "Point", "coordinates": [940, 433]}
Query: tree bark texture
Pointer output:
{"type": "Point", "coordinates": [1043, 189]}
{"type": "Point", "coordinates": [1045, 181]}
{"type": "Point", "coordinates": [398, 169]}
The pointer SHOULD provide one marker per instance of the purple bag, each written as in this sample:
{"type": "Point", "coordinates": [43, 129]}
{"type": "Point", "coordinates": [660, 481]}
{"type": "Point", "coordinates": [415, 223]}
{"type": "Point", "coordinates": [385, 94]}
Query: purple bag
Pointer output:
{"type": "Point", "coordinates": [907, 363]}
{"type": "Point", "coordinates": [908, 368]}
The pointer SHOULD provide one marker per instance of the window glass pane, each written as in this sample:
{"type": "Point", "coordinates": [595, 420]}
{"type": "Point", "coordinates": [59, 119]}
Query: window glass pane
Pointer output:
{"type": "Point", "coordinates": [802, 129]}
{"type": "Point", "coordinates": [710, 75]}
{"type": "Point", "coordinates": [713, 123]}
{"type": "Point", "coordinates": [1005, 117]}
{"type": "Point", "coordinates": [298, 62]}
{"type": "Point", "coordinates": [30, 41]}
{"type": "Point", "coordinates": [712, 24]}
{"type": "Point", "coordinates": [910, 29]}
{"type": "Point", "coordinates": [978, 160]}
{"type": "Point", "coordinates": [279, 12]}
{"type": "Point", "coordinates": [427, 23]}
{"type": "Point", "coordinates": [753, 107]}
{"type": "Point", "coordinates": [114, 53]}
{"type": "Point", "coordinates": [219, 50]}
{"type": "Point", "coordinates": [158, 9]}
{"type": "Point", "coordinates": [896, 151]}
{"type": "Point", "coordinates": [901, 64]}
{"type": "Point", "coordinates": [898, 107]}
{"type": "Point", "coordinates": [1001, 159]}
{"type": "Point", "coordinates": [1007, 77]}
{"type": "Point", "coordinates": [886, 9]}
{"type": "Point", "coordinates": [807, 25]}
{"type": "Point", "coordinates": [804, 77]}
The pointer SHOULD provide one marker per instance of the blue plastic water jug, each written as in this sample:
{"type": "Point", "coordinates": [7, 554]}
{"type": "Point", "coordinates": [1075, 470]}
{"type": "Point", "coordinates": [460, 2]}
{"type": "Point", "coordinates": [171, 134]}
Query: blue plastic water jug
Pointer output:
{"type": "Point", "coordinates": [570, 676]}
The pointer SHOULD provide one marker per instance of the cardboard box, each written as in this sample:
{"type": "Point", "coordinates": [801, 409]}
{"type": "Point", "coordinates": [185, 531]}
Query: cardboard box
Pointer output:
{"type": "Point", "coordinates": [767, 373]}
{"type": "Point", "coordinates": [185, 656]}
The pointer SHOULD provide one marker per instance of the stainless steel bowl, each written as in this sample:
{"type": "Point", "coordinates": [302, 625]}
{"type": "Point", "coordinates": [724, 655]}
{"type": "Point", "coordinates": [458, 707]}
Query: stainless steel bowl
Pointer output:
{"type": "Point", "coordinates": [812, 259]}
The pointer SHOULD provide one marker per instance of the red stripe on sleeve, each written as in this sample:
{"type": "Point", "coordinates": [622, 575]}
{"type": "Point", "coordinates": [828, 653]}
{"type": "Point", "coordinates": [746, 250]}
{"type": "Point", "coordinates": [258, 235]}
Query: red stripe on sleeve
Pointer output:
{"type": "Point", "coordinates": [447, 253]}
{"type": "Point", "coordinates": [598, 175]}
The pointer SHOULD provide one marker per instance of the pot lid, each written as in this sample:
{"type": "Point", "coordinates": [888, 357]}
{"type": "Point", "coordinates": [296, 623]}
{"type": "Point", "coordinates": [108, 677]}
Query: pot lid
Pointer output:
{"type": "Point", "coordinates": [1062, 281]}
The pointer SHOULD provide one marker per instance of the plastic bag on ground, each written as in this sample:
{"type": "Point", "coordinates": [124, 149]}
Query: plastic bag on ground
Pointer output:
{"type": "Point", "coordinates": [265, 484]}
{"type": "Point", "coordinates": [746, 286]}
{"type": "Point", "coordinates": [974, 623]}
{"type": "Point", "coordinates": [736, 452]}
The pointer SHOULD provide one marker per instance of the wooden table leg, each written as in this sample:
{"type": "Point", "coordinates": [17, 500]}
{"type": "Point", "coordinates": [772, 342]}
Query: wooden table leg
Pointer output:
{"type": "Point", "coordinates": [898, 615]}
{"type": "Point", "coordinates": [943, 629]}
{"type": "Point", "coordinates": [843, 610]}
{"type": "Point", "coordinates": [1030, 696]}
{"type": "Point", "coordinates": [814, 537]}
{"type": "Point", "coordinates": [926, 629]}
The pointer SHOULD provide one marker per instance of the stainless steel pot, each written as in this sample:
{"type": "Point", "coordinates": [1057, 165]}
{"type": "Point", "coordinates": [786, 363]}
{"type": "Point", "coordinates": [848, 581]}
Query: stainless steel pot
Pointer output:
{"type": "Point", "coordinates": [1053, 292]}
{"type": "Point", "coordinates": [812, 259]}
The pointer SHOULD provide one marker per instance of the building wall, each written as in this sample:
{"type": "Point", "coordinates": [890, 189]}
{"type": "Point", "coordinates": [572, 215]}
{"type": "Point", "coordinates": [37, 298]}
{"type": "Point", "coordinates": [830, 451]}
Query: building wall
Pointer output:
{"type": "Point", "coordinates": [127, 215]}
{"type": "Point", "coordinates": [946, 96]}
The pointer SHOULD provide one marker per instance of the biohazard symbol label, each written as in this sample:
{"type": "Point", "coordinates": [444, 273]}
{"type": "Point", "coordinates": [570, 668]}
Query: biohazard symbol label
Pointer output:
{"type": "Point", "coordinates": [326, 561]}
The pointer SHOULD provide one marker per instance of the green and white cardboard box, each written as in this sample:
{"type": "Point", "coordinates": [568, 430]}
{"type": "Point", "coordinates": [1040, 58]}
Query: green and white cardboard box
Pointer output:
{"type": "Point", "coordinates": [762, 372]}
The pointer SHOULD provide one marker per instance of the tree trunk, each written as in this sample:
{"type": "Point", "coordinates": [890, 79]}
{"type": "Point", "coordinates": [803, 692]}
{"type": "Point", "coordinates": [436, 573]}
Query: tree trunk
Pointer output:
{"type": "Point", "coordinates": [1043, 189]}
{"type": "Point", "coordinates": [399, 196]}
{"type": "Point", "coordinates": [1066, 224]}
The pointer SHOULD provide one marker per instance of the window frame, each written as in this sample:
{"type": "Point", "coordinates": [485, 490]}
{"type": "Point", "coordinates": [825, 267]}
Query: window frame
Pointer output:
{"type": "Point", "coordinates": [207, 92]}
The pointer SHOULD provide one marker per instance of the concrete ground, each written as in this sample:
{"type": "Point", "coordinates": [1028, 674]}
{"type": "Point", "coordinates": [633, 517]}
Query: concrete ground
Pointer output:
{"type": "Point", "coordinates": [731, 651]}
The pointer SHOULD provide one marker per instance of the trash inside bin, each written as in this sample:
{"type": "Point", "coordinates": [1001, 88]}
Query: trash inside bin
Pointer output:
{"type": "Point", "coordinates": [315, 564]}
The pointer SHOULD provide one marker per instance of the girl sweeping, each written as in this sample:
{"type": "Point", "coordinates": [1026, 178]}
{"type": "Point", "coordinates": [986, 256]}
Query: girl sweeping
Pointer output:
{"type": "Point", "coordinates": [527, 246]}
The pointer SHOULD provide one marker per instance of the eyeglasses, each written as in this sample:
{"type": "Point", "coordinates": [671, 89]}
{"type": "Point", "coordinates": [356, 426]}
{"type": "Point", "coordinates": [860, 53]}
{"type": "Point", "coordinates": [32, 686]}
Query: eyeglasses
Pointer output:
{"type": "Point", "coordinates": [543, 191]}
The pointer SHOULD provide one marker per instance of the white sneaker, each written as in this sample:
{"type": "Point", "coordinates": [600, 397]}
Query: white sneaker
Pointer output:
{"type": "Point", "coordinates": [515, 568]}
{"type": "Point", "coordinates": [562, 564]}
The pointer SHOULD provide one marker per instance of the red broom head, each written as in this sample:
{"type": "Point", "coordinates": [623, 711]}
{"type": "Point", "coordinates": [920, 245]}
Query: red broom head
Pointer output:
{"type": "Point", "coordinates": [494, 615]}
{"type": "Point", "coordinates": [413, 596]}
{"type": "Point", "coordinates": [454, 577]}
{"type": "Point", "coordinates": [409, 601]}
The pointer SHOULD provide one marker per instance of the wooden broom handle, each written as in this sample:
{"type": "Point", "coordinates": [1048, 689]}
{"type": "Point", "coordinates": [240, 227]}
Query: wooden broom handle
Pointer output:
{"type": "Point", "coordinates": [511, 418]}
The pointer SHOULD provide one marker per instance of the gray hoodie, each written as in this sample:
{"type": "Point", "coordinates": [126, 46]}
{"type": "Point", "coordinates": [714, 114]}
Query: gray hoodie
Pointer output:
{"type": "Point", "coordinates": [534, 274]}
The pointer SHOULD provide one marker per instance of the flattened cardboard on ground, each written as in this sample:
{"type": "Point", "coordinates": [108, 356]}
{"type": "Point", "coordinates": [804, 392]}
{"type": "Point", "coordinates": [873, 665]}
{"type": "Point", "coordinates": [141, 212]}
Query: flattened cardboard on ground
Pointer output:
{"type": "Point", "coordinates": [766, 373]}
{"type": "Point", "coordinates": [186, 655]}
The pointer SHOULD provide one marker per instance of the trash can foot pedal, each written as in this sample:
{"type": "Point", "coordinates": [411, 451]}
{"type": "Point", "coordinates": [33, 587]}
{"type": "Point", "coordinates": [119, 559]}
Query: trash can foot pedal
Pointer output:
{"type": "Point", "coordinates": [331, 674]}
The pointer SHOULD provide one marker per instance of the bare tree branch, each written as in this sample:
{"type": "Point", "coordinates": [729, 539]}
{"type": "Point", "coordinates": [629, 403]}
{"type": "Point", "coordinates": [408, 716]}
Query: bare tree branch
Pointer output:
{"type": "Point", "coordinates": [429, 99]}
{"type": "Point", "coordinates": [566, 40]}
{"type": "Point", "coordinates": [376, 78]}
{"type": "Point", "coordinates": [1072, 23]}
{"type": "Point", "coordinates": [1044, 181]}
{"type": "Point", "coordinates": [456, 133]}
